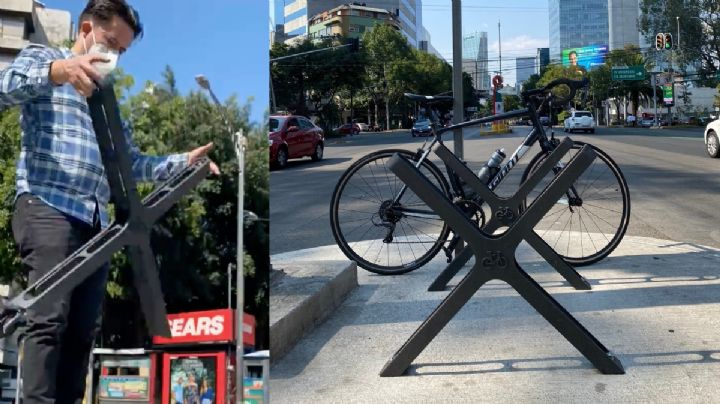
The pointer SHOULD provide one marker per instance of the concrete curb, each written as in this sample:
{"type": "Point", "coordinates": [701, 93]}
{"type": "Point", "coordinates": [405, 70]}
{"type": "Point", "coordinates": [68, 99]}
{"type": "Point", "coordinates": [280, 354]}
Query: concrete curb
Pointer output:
{"type": "Point", "coordinates": [304, 297]}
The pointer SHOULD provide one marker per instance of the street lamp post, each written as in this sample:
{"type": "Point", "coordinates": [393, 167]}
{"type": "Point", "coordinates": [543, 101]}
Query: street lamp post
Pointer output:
{"type": "Point", "coordinates": [240, 144]}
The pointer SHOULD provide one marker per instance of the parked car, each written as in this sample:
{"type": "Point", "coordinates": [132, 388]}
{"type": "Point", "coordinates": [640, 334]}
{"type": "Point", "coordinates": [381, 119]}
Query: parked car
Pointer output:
{"type": "Point", "coordinates": [704, 120]}
{"type": "Point", "coordinates": [580, 120]}
{"type": "Point", "coordinates": [712, 145]}
{"type": "Point", "coordinates": [544, 120]}
{"type": "Point", "coordinates": [421, 127]}
{"type": "Point", "coordinates": [293, 137]}
{"type": "Point", "coordinates": [646, 122]}
{"type": "Point", "coordinates": [363, 126]}
{"type": "Point", "coordinates": [347, 129]}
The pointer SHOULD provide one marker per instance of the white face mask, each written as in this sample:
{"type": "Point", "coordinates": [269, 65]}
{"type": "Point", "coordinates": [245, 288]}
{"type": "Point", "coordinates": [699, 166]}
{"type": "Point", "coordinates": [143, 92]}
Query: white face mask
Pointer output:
{"type": "Point", "coordinates": [104, 68]}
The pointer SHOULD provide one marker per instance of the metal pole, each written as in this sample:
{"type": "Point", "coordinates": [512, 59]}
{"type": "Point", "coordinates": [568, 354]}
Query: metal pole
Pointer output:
{"type": "Point", "coordinates": [654, 86]}
{"type": "Point", "coordinates": [229, 287]}
{"type": "Point", "coordinates": [499, 50]}
{"type": "Point", "coordinates": [273, 105]}
{"type": "Point", "coordinates": [457, 76]}
{"type": "Point", "coordinates": [240, 278]}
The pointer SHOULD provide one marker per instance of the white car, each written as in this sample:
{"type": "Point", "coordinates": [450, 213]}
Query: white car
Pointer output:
{"type": "Point", "coordinates": [712, 145]}
{"type": "Point", "coordinates": [363, 126]}
{"type": "Point", "coordinates": [580, 120]}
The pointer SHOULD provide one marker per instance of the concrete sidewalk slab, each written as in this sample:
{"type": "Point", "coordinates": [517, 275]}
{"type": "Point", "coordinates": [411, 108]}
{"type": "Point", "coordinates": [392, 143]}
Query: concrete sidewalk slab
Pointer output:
{"type": "Point", "coordinates": [303, 296]}
{"type": "Point", "coordinates": [655, 304]}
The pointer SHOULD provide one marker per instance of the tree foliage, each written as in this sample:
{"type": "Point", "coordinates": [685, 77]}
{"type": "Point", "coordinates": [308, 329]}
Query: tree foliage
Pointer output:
{"type": "Point", "coordinates": [602, 86]}
{"type": "Point", "coordinates": [196, 240]}
{"type": "Point", "coordinates": [383, 70]}
{"type": "Point", "coordinates": [699, 29]}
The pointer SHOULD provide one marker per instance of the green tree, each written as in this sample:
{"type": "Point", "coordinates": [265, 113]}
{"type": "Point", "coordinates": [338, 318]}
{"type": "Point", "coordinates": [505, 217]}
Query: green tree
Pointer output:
{"type": "Point", "coordinates": [699, 25]}
{"type": "Point", "coordinates": [531, 83]}
{"type": "Point", "coordinates": [196, 240]}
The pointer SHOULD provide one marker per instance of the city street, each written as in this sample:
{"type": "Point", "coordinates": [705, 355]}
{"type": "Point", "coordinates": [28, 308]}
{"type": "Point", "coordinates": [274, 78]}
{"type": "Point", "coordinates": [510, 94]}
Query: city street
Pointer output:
{"type": "Point", "coordinates": [673, 183]}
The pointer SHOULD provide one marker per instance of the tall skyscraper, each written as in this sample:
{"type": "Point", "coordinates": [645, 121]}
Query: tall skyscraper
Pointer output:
{"type": "Point", "coordinates": [297, 13]}
{"type": "Point", "coordinates": [577, 23]}
{"type": "Point", "coordinates": [622, 21]}
{"type": "Point", "coordinates": [524, 68]}
{"type": "Point", "coordinates": [542, 59]}
{"type": "Point", "coordinates": [475, 59]}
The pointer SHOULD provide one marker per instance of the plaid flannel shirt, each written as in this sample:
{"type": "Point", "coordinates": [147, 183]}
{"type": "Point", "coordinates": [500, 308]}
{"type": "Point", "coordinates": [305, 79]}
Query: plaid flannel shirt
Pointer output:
{"type": "Point", "coordinates": [60, 160]}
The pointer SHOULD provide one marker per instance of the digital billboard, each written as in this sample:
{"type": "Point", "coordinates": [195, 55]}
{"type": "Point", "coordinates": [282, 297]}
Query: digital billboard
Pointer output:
{"type": "Point", "coordinates": [586, 57]}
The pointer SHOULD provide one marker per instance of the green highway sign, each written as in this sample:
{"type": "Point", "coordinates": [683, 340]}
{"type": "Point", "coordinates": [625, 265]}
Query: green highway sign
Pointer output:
{"type": "Point", "coordinates": [628, 73]}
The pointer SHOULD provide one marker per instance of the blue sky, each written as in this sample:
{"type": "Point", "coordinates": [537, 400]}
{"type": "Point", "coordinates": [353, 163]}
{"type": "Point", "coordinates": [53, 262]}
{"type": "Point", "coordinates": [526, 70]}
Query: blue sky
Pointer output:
{"type": "Point", "coordinates": [523, 27]}
{"type": "Point", "coordinates": [225, 40]}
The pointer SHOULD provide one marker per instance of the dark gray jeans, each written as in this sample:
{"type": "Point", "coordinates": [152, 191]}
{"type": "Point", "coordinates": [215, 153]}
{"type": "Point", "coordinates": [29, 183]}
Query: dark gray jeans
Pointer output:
{"type": "Point", "coordinates": [60, 334]}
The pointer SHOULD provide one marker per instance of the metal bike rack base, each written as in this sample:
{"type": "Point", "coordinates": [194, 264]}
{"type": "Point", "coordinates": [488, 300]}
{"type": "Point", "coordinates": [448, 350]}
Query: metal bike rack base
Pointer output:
{"type": "Point", "coordinates": [504, 212]}
{"type": "Point", "coordinates": [495, 259]}
{"type": "Point", "coordinates": [131, 229]}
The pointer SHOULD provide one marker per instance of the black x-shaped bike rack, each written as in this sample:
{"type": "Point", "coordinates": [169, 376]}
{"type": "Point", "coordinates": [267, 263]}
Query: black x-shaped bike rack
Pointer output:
{"type": "Point", "coordinates": [130, 229]}
{"type": "Point", "coordinates": [495, 259]}
{"type": "Point", "coordinates": [504, 212]}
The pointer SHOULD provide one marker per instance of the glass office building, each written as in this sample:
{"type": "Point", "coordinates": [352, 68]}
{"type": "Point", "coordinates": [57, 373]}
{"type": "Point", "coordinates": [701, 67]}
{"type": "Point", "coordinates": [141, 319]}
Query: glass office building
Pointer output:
{"type": "Point", "coordinates": [475, 59]}
{"type": "Point", "coordinates": [577, 23]}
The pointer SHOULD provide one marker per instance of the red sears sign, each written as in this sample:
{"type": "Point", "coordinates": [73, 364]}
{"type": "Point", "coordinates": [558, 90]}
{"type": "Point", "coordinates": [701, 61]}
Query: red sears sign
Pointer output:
{"type": "Point", "coordinates": [207, 326]}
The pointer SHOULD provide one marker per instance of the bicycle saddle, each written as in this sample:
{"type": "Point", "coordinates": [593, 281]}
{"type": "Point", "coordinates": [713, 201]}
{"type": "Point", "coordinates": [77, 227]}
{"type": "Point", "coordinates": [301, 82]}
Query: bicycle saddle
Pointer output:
{"type": "Point", "coordinates": [427, 98]}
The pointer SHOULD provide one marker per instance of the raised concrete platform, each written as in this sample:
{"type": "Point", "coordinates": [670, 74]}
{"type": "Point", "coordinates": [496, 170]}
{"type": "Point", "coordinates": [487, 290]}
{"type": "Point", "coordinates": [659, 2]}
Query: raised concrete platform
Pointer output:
{"type": "Point", "coordinates": [303, 295]}
{"type": "Point", "coordinates": [655, 304]}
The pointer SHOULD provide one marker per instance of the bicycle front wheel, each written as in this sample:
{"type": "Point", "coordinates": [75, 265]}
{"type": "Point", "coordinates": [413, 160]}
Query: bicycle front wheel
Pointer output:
{"type": "Point", "coordinates": [382, 236]}
{"type": "Point", "coordinates": [587, 224]}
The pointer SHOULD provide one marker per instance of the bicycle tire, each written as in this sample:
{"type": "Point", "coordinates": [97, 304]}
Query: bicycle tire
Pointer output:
{"type": "Point", "coordinates": [622, 223]}
{"type": "Point", "coordinates": [351, 248]}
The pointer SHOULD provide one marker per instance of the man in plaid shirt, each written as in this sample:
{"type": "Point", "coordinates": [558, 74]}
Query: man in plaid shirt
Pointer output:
{"type": "Point", "coordinates": [62, 190]}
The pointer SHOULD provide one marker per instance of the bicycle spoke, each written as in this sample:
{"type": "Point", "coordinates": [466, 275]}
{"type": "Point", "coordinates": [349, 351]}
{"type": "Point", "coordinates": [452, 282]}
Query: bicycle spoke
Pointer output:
{"type": "Point", "coordinates": [402, 228]}
{"type": "Point", "coordinates": [600, 207]}
{"type": "Point", "coordinates": [589, 236]}
{"type": "Point", "coordinates": [598, 227]}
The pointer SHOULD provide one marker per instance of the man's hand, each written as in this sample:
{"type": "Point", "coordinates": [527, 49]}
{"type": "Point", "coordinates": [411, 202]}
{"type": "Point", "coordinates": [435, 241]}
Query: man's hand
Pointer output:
{"type": "Point", "coordinates": [78, 71]}
{"type": "Point", "coordinates": [200, 152]}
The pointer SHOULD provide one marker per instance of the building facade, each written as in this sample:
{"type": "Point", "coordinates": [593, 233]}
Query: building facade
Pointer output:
{"type": "Point", "coordinates": [542, 59]}
{"type": "Point", "coordinates": [425, 44]}
{"type": "Point", "coordinates": [349, 20]}
{"type": "Point", "coordinates": [577, 23]}
{"type": "Point", "coordinates": [298, 13]}
{"type": "Point", "coordinates": [475, 59]}
{"type": "Point", "coordinates": [23, 22]}
{"type": "Point", "coordinates": [623, 18]}
{"type": "Point", "coordinates": [524, 68]}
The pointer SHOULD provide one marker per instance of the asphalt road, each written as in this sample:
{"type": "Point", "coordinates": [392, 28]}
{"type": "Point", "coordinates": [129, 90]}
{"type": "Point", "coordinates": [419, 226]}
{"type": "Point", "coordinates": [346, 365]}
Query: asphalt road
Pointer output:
{"type": "Point", "coordinates": [674, 185]}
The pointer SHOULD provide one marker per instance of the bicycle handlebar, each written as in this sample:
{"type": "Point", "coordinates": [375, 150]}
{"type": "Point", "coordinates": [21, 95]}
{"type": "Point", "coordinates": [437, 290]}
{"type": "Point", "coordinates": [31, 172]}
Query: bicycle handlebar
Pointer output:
{"type": "Point", "coordinates": [574, 85]}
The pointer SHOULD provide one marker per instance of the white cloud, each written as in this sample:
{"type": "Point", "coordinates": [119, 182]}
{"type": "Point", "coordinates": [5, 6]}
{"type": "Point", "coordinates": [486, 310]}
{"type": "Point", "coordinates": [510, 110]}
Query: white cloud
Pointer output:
{"type": "Point", "coordinates": [522, 45]}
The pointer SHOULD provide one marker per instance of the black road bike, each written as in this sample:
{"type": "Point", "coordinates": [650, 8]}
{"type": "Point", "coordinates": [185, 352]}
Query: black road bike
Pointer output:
{"type": "Point", "coordinates": [378, 222]}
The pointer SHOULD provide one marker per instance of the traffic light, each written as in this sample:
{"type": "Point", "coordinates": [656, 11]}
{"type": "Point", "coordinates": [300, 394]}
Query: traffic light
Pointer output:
{"type": "Point", "coordinates": [668, 41]}
{"type": "Point", "coordinates": [660, 41]}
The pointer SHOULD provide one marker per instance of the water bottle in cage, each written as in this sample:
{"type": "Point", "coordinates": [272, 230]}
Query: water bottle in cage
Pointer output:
{"type": "Point", "coordinates": [487, 172]}
{"type": "Point", "coordinates": [489, 169]}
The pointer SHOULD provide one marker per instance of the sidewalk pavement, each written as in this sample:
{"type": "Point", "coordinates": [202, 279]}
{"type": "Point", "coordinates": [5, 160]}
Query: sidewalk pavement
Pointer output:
{"type": "Point", "coordinates": [655, 304]}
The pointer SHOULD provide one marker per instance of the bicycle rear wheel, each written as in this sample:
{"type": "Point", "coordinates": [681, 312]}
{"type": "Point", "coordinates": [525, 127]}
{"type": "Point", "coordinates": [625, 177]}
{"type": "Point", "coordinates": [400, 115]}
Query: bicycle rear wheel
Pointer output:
{"type": "Point", "coordinates": [586, 230]}
{"type": "Point", "coordinates": [383, 237]}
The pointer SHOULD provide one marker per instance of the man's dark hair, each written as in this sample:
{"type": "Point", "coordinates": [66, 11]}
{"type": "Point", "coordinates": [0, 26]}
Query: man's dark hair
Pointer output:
{"type": "Point", "coordinates": [572, 53]}
{"type": "Point", "coordinates": [104, 10]}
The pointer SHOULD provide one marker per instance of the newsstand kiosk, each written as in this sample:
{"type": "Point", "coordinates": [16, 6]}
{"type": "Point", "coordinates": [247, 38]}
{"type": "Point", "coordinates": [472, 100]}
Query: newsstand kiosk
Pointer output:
{"type": "Point", "coordinates": [195, 365]}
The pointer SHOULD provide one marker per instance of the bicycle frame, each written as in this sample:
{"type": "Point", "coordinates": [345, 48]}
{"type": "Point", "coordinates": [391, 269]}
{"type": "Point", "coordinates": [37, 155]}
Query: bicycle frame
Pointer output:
{"type": "Point", "coordinates": [537, 133]}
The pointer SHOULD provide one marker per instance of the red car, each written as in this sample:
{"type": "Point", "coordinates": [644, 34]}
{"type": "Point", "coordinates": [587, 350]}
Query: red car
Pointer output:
{"type": "Point", "coordinates": [293, 137]}
{"type": "Point", "coordinates": [348, 128]}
